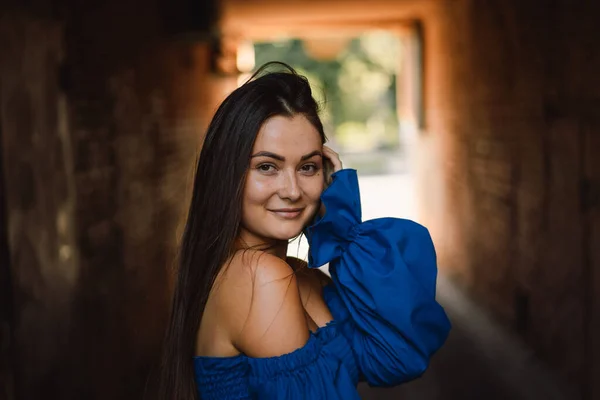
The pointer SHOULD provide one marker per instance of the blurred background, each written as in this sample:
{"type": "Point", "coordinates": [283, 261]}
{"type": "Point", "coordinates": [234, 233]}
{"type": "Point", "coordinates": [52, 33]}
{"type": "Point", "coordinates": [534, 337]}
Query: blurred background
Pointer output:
{"type": "Point", "coordinates": [479, 119]}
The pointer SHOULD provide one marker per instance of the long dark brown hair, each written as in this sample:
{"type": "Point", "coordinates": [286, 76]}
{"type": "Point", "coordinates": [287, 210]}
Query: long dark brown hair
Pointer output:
{"type": "Point", "coordinates": [215, 211]}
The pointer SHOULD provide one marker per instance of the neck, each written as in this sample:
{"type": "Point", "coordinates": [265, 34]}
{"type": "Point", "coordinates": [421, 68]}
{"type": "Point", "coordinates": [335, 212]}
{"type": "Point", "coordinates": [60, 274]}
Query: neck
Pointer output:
{"type": "Point", "coordinates": [276, 247]}
{"type": "Point", "coordinates": [280, 249]}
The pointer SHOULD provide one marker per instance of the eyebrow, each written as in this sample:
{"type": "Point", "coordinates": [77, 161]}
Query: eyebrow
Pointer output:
{"type": "Point", "coordinates": [281, 158]}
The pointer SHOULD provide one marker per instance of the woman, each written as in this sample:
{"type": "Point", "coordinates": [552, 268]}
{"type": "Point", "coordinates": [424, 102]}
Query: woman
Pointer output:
{"type": "Point", "coordinates": [248, 322]}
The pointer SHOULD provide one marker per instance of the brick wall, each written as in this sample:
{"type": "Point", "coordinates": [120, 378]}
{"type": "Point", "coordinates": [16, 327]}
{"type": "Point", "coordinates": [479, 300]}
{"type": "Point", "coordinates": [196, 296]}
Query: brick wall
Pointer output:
{"type": "Point", "coordinates": [38, 189]}
{"type": "Point", "coordinates": [102, 117]}
{"type": "Point", "coordinates": [6, 296]}
{"type": "Point", "coordinates": [510, 145]}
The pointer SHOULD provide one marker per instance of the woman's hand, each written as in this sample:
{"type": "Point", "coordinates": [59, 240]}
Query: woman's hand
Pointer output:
{"type": "Point", "coordinates": [333, 159]}
{"type": "Point", "coordinates": [332, 164]}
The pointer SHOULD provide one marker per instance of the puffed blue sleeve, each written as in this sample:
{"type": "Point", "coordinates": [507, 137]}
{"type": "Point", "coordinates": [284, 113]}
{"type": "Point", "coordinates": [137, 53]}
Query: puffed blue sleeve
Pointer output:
{"type": "Point", "coordinates": [384, 283]}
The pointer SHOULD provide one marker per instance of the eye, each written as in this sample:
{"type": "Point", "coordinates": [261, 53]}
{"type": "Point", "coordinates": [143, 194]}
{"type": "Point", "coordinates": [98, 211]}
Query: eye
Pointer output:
{"type": "Point", "coordinates": [266, 168]}
{"type": "Point", "coordinates": [309, 169]}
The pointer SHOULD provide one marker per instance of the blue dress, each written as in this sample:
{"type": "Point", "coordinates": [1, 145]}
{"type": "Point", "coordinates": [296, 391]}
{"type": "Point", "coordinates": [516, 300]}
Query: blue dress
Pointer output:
{"type": "Point", "coordinates": [386, 323]}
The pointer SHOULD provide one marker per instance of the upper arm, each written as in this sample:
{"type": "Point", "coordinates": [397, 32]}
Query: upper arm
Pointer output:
{"type": "Point", "coordinates": [276, 321]}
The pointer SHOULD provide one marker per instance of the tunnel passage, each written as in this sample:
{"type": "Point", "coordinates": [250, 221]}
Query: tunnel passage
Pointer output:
{"type": "Point", "coordinates": [101, 123]}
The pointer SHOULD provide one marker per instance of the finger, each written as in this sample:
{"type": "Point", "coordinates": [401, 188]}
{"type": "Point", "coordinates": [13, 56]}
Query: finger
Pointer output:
{"type": "Point", "coordinates": [333, 157]}
{"type": "Point", "coordinates": [330, 154]}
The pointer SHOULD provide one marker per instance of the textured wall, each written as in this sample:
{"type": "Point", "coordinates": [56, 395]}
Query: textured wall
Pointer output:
{"type": "Point", "coordinates": [38, 179]}
{"type": "Point", "coordinates": [510, 168]}
{"type": "Point", "coordinates": [102, 118]}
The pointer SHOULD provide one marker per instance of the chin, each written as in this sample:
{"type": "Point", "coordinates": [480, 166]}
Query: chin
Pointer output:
{"type": "Point", "coordinates": [287, 235]}
{"type": "Point", "coordinates": [286, 232]}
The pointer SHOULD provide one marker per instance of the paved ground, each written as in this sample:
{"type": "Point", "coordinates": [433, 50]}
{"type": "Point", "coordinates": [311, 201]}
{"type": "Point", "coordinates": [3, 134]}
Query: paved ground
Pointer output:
{"type": "Point", "coordinates": [479, 360]}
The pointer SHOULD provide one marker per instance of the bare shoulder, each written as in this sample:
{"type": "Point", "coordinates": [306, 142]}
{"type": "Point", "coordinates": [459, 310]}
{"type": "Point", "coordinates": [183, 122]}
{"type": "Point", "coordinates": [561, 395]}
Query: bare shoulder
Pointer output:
{"type": "Point", "coordinates": [274, 322]}
{"type": "Point", "coordinates": [268, 268]}
{"type": "Point", "coordinates": [310, 283]}
{"type": "Point", "coordinates": [313, 277]}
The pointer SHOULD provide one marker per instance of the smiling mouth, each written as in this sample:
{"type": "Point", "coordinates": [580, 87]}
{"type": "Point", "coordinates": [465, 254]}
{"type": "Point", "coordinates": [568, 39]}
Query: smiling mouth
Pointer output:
{"type": "Point", "coordinates": [288, 213]}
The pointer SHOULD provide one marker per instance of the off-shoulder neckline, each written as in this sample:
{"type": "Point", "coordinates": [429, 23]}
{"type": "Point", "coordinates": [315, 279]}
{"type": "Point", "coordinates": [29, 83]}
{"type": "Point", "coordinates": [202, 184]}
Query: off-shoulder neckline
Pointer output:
{"type": "Point", "coordinates": [313, 336]}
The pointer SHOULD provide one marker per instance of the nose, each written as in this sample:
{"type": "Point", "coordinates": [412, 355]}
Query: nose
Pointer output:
{"type": "Point", "coordinates": [290, 189]}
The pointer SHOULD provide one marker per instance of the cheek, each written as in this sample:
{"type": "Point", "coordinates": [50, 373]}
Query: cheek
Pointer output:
{"type": "Point", "coordinates": [313, 189]}
{"type": "Point", "coordinates": [257, 191]}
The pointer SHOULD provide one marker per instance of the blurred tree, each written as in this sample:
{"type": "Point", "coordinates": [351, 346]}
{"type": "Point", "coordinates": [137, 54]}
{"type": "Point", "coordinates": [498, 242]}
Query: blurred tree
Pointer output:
{"type": "Point", "coordinates": [357, 89]}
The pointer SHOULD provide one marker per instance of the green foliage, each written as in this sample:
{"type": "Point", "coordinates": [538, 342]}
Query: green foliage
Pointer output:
{"type": "Point", "coordinates": [357, 89]}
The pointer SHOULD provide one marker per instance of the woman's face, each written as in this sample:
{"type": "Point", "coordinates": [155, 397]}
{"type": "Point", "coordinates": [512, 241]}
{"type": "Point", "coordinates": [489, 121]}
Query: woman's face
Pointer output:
{"type": "Point", "coordinates": [284, 181]}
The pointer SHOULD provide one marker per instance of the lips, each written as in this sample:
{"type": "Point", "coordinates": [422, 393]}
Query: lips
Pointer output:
{"type": "Point", "coordinates": [288, 213]}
